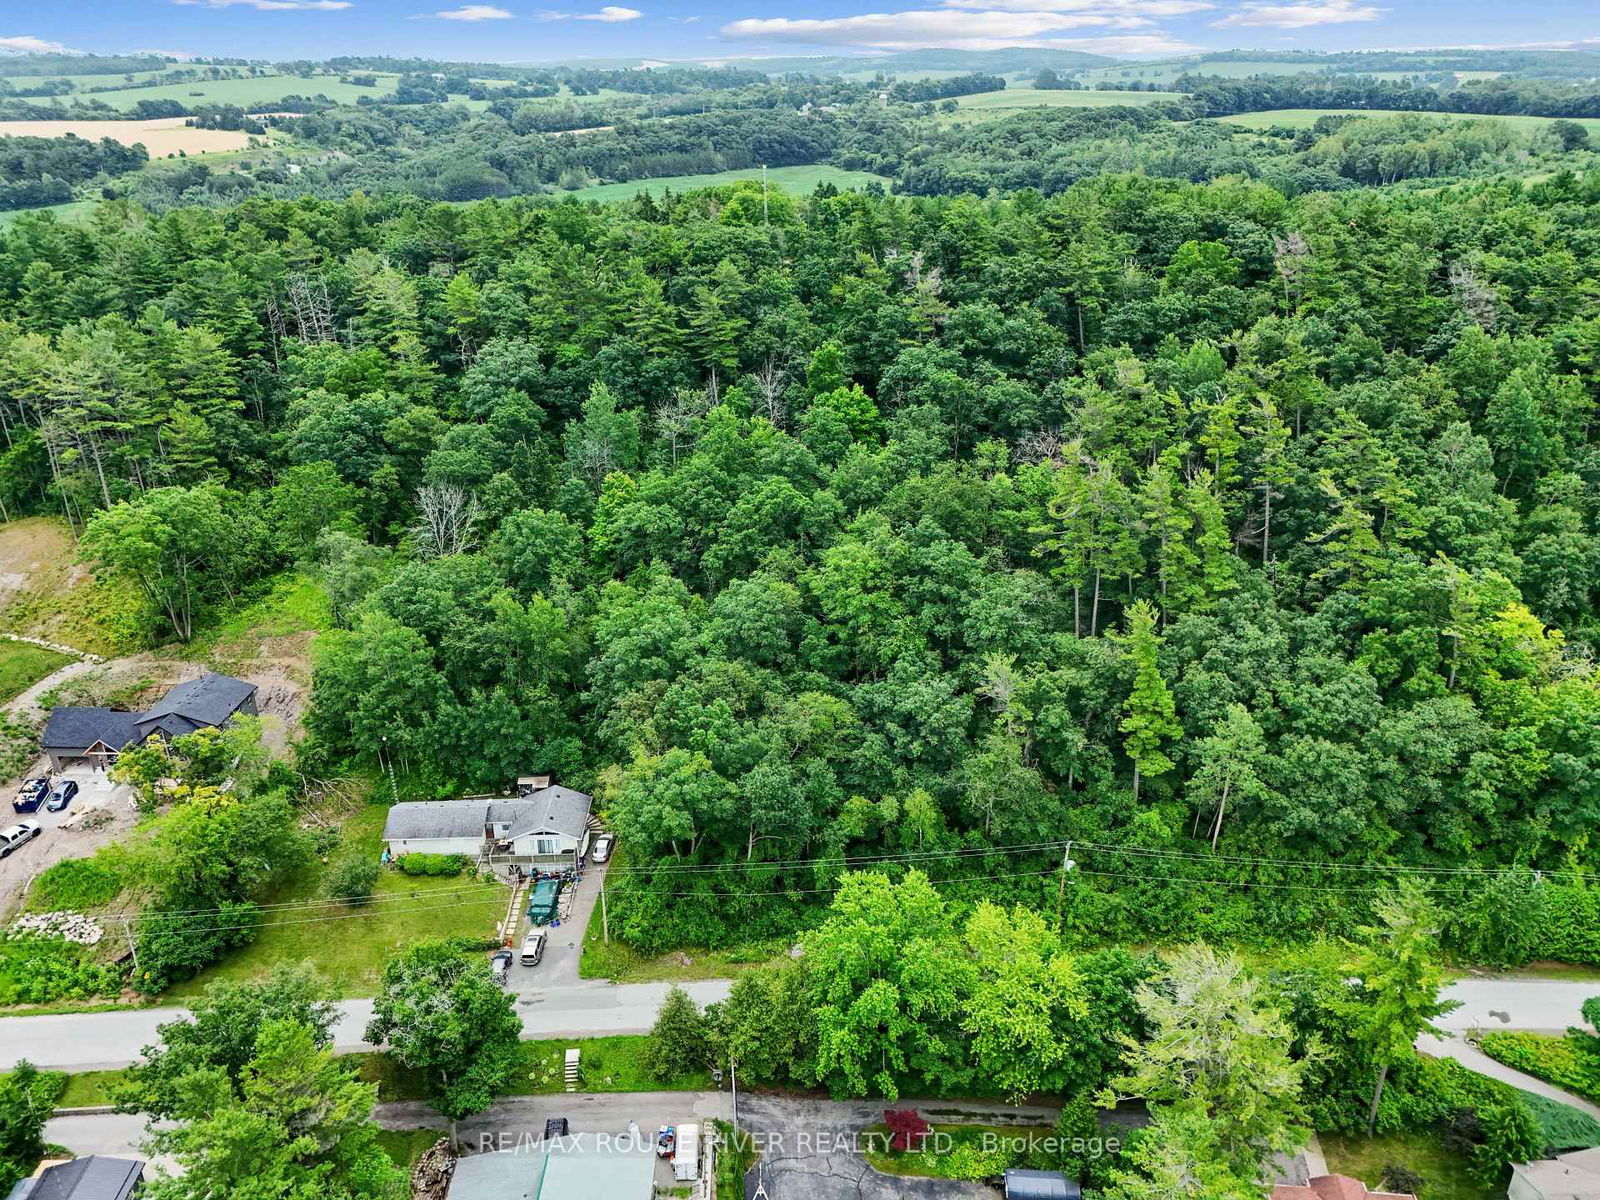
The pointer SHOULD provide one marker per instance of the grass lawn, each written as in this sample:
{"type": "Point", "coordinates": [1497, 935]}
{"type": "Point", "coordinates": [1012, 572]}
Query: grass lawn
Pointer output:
{"type": "Point", "coordinates": [89, 1089]}
{"type": "Point", "coordinates": [794, 180]}
{"type": "Point", "coordinates": [1304, 118]}
{"type": "Point", "coordinates": [1444, 1174]}
{"type": "Point", "coordinates": [405, 1146]}
{"type": "Point", "coordinates": [609, 1064]}
{"type": "Point", "coordinates": [955, 1151]}
{"type": "Point", "coordinates": [23, 665]}
{"type": "Point", "coordinates": [349, 946]}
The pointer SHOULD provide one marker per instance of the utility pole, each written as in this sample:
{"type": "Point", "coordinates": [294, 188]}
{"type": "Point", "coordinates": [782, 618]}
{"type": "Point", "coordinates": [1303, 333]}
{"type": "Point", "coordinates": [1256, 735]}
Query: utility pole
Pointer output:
{"type": "Point", "coordinates": [605, 917]}
{"type": "Point", "coordinates": [1061, 889]}
{"type": "Point", "coordinates": [394, 788]}
{"type": "Point", "coordinates": [733, 1071]}
{"type": "Point", "coordinates": [764, 216]}
{"type": "Point", "coordinates": [133, 948]}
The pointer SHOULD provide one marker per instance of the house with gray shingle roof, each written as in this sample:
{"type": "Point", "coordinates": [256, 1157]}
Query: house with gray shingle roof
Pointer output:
{"type": "Point", "coordinates": [96, 1177]}
{"type": "Point", "coordinates": [540, 825]}
{"type": "Point", "coordinates": [97, 735]}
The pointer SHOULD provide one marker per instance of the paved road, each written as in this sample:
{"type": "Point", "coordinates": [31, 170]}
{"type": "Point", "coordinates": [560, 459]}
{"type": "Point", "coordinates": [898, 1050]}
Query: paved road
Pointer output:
{"type": "Point", "coordinates": [1543, 1005]}
{"type": "Point", "coordinates": [91, 1041]}
{"type": "Point", "coordinates": [84, 1041]}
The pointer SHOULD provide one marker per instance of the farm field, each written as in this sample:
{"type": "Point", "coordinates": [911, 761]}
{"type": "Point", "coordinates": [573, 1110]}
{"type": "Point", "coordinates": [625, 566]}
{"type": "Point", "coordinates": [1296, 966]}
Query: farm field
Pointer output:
{"type": "Point", "coordinates": [1304, 118]}
{"type": "Point", "coordinates": [794, 180]}
{"type": "Point", "coordinates": [989, 106]}
{"type": "Point", "coordinates": [244, 92]}
{"type": "Point", "coordinates": [162, 136]}
{"type": "Point", "coordinates": [74, 212]}
{"type": "Point", "coordinates": [103, 80]}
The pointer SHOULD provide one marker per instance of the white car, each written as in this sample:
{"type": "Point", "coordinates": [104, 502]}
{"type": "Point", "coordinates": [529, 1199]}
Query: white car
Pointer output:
{"type": "Point", "coordinates": [17, 835]}
{"type": "Point", "coordinates": [533, 948]}
{"type": "Point", "coordinates": [602, 847]}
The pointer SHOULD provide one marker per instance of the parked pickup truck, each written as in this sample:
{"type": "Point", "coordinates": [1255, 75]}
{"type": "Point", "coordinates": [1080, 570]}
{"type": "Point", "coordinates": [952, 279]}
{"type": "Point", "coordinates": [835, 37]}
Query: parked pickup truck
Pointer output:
{"type": "Point", "coordinates": [542, 901]}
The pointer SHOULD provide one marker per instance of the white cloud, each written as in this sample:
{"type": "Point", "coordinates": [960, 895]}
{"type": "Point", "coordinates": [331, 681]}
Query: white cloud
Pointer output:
{"type": "Point", "coordinates": [27, 44]}
{"type": "Point", "coordinates": [1257, 13]}
{"type": "Point", "coordinates": [610, 14]}
{"type": "Point", "coordinates": [474, 12]}
{"type": "Point", "coordinates": [959, 30]}
{"type": "Point", "coordinates": [273, 5]}
{"type": "Point", "coordinates": [1140, 8]}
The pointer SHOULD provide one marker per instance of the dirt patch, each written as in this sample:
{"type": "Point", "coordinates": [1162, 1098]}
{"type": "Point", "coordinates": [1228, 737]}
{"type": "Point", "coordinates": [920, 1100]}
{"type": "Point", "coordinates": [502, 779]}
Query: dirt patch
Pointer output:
{"type": "Point", "coordinates": [162, 136]}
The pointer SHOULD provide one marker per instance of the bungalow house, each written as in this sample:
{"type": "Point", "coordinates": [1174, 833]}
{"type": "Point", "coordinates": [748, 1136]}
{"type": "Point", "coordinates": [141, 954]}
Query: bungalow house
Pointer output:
{"type": "Point", "coordinates": [543, 825]}
{"type": "Point", "coordinates": [1333, 1187]}
{"type": "Point", "coordinates": [95, 1177]}
{"type": "Point", "coordinates": [75, 734]}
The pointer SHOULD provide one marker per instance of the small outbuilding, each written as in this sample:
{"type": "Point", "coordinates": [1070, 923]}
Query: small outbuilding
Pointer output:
{"type": "Point", "coordinates": [1023, 1184]}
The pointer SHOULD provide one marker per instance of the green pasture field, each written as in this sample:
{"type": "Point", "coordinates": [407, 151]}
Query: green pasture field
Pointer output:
{"type": "Point", "coordinates": [797, 181]}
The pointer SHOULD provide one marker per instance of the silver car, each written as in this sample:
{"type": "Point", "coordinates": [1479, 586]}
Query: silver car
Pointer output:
{"type": "Point", "coordinates": [17, 835]}
{"type": "Point", "coordinates": [602, 847]}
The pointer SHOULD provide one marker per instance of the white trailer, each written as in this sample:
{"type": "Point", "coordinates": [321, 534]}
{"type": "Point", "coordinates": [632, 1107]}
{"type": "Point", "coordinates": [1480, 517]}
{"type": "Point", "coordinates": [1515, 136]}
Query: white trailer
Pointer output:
{"type": "Point", "coordinates": [686, 1158]}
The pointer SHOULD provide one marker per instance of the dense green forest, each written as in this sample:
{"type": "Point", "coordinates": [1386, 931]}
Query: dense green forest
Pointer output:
{"type": "Point", "coordinates": [1199, 524]}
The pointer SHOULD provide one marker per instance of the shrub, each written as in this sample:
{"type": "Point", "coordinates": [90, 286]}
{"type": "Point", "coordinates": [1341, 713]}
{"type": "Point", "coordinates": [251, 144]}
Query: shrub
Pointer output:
{"type": "Point", "coordinates": [432, 864]}
{"type": "Point", "coordinates": [908, 1128]}
{"type": "Point", "coordinates": [1401, 1179]}
{"type": "Point", "coordinates": [352, 880]}
{"type": "Point", "coordinates": [1557, 1060]}
{"type": "Point", "coordinates": [678, 1038]}
{"type": "Point", "coordinates": [1509, 1134]}
{"type": "Point", "coordinates": [75, 884]}
{"type": "Point", "coordinates": [42, 970]}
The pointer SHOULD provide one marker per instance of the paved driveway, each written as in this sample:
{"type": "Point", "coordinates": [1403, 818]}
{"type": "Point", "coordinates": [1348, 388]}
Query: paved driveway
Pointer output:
{"type": "Point", "coordinates": [564, 949]}
{"type": "Point", "coordinates": [808, 1146]}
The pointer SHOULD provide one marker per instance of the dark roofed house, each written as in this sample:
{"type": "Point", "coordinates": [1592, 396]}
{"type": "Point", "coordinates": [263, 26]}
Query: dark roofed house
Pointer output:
{"type": "Point", "coordinates": [98, 735]}
{"type": "Point", "coordinates": [95, 1177]}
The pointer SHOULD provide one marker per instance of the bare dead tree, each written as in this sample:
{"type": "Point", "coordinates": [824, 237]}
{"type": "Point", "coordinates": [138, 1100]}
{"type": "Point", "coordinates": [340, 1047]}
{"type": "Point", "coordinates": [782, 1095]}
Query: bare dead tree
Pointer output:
{"type": "Point", "coordinates": [675, 418]}
{"type": "Point", "coordinates": [1476, 298]}
{"type": "Point", "coordinates": [448, 518]}
{"type": "Point", "coordinates": [1038, 445]}
{"type": "Point", "coordinates": [772, 380]}
{"type": "Point", "coordinates": [1290, 255]}
{"type": "Point", "coordinates": [312, 307]}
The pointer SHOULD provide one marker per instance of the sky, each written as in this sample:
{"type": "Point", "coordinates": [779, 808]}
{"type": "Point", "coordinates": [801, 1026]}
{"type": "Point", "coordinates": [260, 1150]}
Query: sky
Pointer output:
{"type": "Point", "coordinates": [549, 30]}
